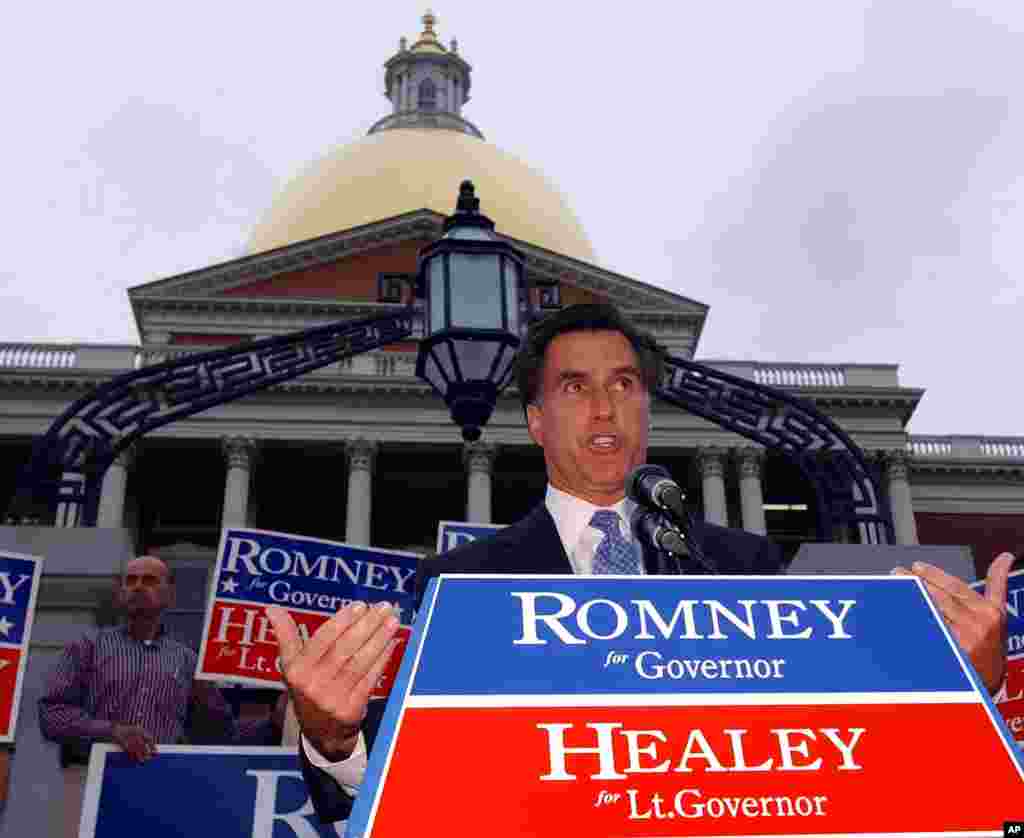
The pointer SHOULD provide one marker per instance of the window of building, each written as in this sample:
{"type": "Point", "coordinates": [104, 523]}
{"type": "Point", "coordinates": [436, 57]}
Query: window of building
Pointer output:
{"type": "Point", "coordinates": [391, 287]}
{"type": "Point", "coordinates": [549, 295]}
{"type": "Point", "coordinates": [427, 95]}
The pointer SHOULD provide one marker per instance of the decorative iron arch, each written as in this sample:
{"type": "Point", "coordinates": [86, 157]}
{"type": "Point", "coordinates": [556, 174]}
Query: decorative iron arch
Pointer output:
{"type": "Point", "coordinates": [69, 461]}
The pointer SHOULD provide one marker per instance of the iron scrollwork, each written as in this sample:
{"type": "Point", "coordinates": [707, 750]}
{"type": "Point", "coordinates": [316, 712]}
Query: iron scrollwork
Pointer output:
{"type": "Point", "coordinates": [846, 486]}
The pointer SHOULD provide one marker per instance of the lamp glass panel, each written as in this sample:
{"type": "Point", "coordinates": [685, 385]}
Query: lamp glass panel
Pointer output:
{"type": "Point", "coordinates": [476, 285]}
{"type": "Point", "coordinates": [511, 287]}
{"type": "Point", "coordinates": [475, 358]}
{"type": "Point", "coordinates": [432, 372]}
{"type": "Point", "coordinates": [505, 364]}
{"type": "Point", "coordinates": [442, 354]}
{"type": "Point", "coordinates": [435, 273]}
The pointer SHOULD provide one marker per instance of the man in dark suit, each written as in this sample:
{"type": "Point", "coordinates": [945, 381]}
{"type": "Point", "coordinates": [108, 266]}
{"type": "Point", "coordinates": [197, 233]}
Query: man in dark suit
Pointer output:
{"type": "Point", "coordinates": [585, 377]}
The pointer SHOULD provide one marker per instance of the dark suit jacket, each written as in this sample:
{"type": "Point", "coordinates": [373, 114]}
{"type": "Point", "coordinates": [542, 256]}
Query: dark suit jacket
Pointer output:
{"type": "Point", "coordinates": [533, 546]}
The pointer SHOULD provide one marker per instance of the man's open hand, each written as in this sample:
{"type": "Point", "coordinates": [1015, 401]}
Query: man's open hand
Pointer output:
{"type": "Point", "coordinates": [331, 677]}
{"type": "Point", "coordinates": [978, 622]}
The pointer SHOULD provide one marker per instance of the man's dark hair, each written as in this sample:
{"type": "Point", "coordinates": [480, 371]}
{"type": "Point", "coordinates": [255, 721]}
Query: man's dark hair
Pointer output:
{"type": "Point", "coordinates": [585, 317]}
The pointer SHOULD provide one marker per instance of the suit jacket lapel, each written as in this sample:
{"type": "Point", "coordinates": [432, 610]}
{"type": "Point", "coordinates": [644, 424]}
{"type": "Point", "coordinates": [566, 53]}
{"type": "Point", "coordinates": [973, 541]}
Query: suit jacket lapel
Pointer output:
{"type": "Point", "coordinates": [540, 548]}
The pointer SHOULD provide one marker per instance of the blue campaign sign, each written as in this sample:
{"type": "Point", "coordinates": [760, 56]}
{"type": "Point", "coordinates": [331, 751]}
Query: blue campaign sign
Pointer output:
{"type": "Point", "coordinates": [19, 586]}
{"type": "Point", "coordinates": [1014, 611]}
{"type": "Point", "coordinates": [312, 578]}
{"type": "Point", "coordinates": [191, 790]}
{"type": "Point", "coordinates": [450, 534]}
{"type": "Point", "coordinates": [697, 634]}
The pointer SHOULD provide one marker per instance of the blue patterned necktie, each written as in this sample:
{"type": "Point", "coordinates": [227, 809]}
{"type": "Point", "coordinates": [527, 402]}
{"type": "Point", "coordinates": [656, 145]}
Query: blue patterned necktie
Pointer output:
{"type": "Point", "coordinates": [614, 554]}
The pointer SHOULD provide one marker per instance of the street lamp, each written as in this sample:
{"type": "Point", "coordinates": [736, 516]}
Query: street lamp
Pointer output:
{"type": "Point", "coordinates": [476, 305]}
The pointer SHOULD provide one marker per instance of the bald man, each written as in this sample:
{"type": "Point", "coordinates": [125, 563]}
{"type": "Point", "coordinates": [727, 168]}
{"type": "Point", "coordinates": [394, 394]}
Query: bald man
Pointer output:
{"type": "Point", "coordinates": [132, 685]}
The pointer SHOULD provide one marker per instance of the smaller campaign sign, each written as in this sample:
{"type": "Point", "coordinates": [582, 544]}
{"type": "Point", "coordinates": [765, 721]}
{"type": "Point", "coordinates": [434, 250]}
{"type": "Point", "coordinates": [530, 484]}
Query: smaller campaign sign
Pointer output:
{"type": "Point", "coordinates": [450, 534]}
{"type": "Point", "coordinates": [1011, 703]}
{"type": "Point", "coordinates": [19, 586]}
{"type": "Point", "coordinates": [231, 792]}
{"type": "Point", "coordinates": [312, 579]}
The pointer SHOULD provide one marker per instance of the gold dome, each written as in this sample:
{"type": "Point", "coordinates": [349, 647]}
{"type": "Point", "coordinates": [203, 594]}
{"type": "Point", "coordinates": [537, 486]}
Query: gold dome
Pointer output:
{"type": "Point", "coordinates": [401, 170]}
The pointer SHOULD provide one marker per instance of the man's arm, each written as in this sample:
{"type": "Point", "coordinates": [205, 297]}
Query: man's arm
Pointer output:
{"type": "Point", "coordinates": [62, 715]}
{"type": "Point", "coordinates": [210, 720]}
{"type": "Point", "coordinates": [977, 621]}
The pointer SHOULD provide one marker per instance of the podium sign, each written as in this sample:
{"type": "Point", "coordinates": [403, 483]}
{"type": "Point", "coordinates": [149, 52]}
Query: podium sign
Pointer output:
{"type": "Point", "coordinates": [309, 577]}
{"type": "Point", "coordinates": [19, 586]}
{"type": "Point", "coordinates": [679, 706]}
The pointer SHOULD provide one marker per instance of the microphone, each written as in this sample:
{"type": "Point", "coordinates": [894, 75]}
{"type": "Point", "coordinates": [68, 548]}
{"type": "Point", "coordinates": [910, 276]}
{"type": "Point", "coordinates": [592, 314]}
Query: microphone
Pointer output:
{"type": "Point", "coordinates": [653, 487]}
{"type": "Point", "coordinates": [651, 528]}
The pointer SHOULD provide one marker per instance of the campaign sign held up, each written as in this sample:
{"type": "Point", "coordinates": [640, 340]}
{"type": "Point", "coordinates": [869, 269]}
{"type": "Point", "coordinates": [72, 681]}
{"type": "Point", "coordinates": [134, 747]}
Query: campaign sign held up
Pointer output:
{"type": "Point", "coordinates": [190, 790]}
{"type": "Point", "coordinates": [1011, 703]}
{"type": "Point", "coordinates": [450, 534]}
{"type": "Point", "coordinates": [19, 585]}
{"type": "Point", "coordinates": [679, 706]}
{"type": "Point", "coordinates": [312, 578]}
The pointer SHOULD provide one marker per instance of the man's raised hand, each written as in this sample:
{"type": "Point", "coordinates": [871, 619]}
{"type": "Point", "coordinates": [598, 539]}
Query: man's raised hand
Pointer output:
{"type": "Point", "coordinates": [331, 677]}
{"type": "Point", "coordinates": [978, 621]}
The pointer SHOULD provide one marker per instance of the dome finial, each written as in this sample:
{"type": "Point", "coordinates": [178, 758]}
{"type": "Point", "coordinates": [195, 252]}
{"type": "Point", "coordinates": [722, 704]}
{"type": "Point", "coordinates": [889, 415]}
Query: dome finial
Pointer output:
{"type": "Point", "coordinates": [429, 19]}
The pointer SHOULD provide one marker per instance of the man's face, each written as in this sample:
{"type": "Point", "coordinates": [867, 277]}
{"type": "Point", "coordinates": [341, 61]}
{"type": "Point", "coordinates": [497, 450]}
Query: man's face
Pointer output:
{"type": "Point", "coordinates": [593, 414]}
{"type": "Point", "coordinates": [146, 587]}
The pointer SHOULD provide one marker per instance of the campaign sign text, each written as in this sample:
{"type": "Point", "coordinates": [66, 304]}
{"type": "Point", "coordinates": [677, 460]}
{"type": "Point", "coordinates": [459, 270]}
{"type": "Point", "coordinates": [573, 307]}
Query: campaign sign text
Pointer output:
{"type": "Point", "coordinates": [191, 790]}
{"type": "Point", "coordinates": [19, 585]}
{"type": "Point", "coordinates": [679, 706]}
{"type": "Point", "coordinates": [1011, 703]}
{"type": "Point", "coordinates": [312, 579]}
{"type": "Point", "coordinates": [451, 534]}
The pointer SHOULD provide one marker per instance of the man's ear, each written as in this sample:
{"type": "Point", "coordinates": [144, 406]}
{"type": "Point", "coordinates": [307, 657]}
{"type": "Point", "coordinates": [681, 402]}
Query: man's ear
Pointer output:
{"type": "Point", "coordinates": [533, 424]}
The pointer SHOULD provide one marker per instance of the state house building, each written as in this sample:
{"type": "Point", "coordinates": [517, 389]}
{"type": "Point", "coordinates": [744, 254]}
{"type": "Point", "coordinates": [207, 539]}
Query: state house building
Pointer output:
{"type": "Point", "coordinates": [364, 452]}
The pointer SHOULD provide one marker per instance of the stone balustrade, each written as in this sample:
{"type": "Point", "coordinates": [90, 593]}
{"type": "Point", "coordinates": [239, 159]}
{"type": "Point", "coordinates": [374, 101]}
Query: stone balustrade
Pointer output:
{"type": "Point", "coordinates": [62, 356]}
{"type": "Point", "coordinates": [966, 447]}
{"type": "Point", "coordinates": [813, 376]}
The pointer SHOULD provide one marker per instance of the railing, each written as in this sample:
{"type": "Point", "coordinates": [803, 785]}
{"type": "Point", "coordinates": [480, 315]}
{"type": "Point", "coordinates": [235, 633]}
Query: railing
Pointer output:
{"type": "Point", "coordinates": [967, 447]}
{"type": "Point", "coordinates": [62, 356]}
{"type": "Point", "coordinates": [816, 376]}
{"type": "Point", "coordinates": [380, 364]}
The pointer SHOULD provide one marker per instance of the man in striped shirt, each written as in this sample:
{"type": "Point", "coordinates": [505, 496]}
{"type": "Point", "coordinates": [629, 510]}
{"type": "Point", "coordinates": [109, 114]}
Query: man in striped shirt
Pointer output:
{"type": "Point", "coordinates": [132, 685]}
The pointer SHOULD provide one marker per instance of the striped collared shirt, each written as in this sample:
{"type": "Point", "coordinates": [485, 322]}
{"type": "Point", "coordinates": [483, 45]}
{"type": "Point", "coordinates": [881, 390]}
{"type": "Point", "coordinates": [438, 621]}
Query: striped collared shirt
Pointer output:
{"type": "Point", "coordinates": [108, 677]}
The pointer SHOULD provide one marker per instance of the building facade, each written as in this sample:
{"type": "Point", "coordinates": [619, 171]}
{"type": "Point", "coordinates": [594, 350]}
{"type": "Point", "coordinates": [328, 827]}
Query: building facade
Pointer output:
{"type": "Point", "coordinates": [363, 452]}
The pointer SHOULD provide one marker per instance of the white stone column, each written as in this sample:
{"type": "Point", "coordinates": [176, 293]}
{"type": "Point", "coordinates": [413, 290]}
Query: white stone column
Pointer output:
{"type": "Point", "coordinates": [239, 452]}
{"type": "Point", "coordinates": [115, 481]}
{"type": "Point", "coordinates": [479, 460]}
{"type": "Point", "coordinates": [749, 460]}
{"type": "Point", "coordinates": [361, 454]}
{"type": "Point", "coordinates": [711, 463]}
{"type": "Point", "coordinates": [69, 513]}
{"type": "Point", "coordinates": [897, 472]}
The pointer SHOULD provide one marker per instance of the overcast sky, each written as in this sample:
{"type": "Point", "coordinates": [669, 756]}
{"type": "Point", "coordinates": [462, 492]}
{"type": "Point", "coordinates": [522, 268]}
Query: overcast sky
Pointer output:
{"type": "Point", "coordinates": [839, 181]}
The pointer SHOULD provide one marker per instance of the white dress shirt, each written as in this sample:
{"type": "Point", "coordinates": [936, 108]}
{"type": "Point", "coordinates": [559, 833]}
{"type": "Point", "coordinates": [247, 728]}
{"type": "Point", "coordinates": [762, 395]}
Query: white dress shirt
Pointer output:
{"type": "Point", "coordinates": [572, 520]}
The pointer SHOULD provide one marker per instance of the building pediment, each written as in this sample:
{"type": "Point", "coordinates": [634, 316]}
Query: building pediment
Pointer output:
{"type": "Point", "coordinates": [335, 277]}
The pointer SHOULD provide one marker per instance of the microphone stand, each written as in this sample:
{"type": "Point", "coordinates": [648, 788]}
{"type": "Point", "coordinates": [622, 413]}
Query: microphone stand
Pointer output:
{"type": "Point", "coordinates": [654, 527]}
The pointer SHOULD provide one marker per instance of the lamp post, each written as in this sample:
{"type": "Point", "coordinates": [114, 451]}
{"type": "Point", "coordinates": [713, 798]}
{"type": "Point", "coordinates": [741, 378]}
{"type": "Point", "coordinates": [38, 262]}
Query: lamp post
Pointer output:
{"type": "Point", "coordinates": [476, 304]}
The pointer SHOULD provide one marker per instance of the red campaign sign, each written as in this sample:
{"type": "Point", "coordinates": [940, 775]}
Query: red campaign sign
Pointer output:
{"type": "Point", "coordinates": [1012, 708]}
{"type": "Point", "coordinates": [10, 665]}
{"type": "Point", "coordinates": [241, 646]}
{"type": "Point", "coordinates": [770, 770]}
